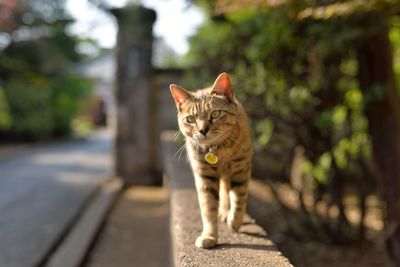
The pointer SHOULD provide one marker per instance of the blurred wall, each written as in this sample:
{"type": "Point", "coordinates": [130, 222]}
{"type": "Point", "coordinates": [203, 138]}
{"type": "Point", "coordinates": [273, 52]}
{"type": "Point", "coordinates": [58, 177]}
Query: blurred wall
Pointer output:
{"type": "Point", "coordinates": [144, 104]}
{"type": "Point", "coordinates": [167, 115]}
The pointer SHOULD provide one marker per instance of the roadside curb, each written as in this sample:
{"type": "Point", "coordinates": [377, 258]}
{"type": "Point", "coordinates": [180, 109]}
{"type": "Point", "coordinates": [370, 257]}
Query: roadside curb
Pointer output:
{"type": "Point", "coordinates": [72, 250]}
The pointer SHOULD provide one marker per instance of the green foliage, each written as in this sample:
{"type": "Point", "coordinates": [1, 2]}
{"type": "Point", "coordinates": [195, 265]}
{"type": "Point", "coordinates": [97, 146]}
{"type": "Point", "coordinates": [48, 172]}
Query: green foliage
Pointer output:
{"type": "Point", "coordinates": [82, 126]}
{"type": "Point", "coordinates": [40, 107]}
{"type": "Point", "coordinates": [29, 107]}
{"type": "Point", "coordinates": [5, 119]}
{"type": "Point", "coordinates": [319, 170]}
{"type": "Point", "coordinates": [40, 95]}
{"type": "Point", "coordinates": [68, 92]}
{"type": "Point", "coordinates": [264, 130]}
{"type": "Point", "coordinates": [298, 81]}
{"type": "Point", "coordinates": [297, 73]}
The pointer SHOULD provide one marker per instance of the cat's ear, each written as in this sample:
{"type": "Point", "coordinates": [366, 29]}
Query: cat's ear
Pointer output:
{"type": "Point", "coordinates": [179, 94]}
{"type": "Point", "coordinates": [222, 86]}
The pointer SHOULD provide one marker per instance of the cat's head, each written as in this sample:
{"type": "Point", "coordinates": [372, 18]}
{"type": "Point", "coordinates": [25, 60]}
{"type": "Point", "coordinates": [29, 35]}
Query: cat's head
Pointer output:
{"type": "Point", "coordinates": [206, 116]}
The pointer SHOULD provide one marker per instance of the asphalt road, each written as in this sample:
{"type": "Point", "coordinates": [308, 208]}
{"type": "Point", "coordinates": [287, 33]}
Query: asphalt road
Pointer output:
{"type": "Point", "coordinates": [42, 190]}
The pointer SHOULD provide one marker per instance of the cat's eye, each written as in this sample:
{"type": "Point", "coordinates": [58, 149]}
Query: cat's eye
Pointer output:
{"type": "Point", "coordinates": [190, 119]}
{"type": "Point", "coordinates": [215, 114]}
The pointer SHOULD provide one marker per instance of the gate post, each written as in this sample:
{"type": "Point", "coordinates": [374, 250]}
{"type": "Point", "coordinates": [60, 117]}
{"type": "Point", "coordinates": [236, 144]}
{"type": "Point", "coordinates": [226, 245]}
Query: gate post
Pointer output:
{"type": "Point", "coordinates": [136, 145]}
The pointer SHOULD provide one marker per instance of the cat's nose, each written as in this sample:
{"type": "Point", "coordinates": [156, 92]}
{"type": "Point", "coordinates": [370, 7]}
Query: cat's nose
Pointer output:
{"type": "Point", "coordinates": [204, 131]}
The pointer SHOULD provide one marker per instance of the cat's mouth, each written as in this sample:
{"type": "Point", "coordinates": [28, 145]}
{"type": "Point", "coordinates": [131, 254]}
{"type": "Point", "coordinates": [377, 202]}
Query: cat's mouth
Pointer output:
{"type": "Point", "coordinates": [199, 138]}
{"type": "Point", "coordinates": [205, 139]}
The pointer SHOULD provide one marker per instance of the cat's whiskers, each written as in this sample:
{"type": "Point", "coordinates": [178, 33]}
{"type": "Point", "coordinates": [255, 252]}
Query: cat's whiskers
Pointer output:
{"type": "Point", "coordinates": [180, 154]}
{"type": "Point", "coordinates": [176, 135]}
{"type": "Point", "coordinates": [180, 150]}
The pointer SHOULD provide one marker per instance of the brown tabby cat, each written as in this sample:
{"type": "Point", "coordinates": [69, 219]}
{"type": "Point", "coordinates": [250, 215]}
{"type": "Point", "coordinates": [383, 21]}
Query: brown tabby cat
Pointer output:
{"type": "Point", "coordinates": [219, 148]}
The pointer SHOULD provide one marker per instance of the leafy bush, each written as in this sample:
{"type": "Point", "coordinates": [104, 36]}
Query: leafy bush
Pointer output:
{"type": "Point", "coordinates": [67, 94]}
{"type": "Point", "coordinates": [5, 119]}
{"type": "Point", "coordinates": [29, 101]}
{"type": "Point", "coordinates": [40, 95]}
{"type": "Point", "coordinates": [298, 82]}
{"type": "Point", "coordinates": [41, 107]}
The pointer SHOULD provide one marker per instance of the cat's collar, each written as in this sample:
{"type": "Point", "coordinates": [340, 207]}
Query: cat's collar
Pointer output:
{"type": "Point", "coordinates": [211, 156]}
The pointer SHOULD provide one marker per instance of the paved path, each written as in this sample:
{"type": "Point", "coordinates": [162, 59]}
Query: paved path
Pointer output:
{"type": "Point", "coordinates": [136, 232]}
{"type": "Point", "coordinates": [42, 190]}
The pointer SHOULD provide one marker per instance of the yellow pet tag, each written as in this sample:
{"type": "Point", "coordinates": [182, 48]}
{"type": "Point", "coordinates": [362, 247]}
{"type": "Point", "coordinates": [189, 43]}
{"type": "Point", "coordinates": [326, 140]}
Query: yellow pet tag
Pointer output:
{"type": "Point", "coordinates": [211, 158]}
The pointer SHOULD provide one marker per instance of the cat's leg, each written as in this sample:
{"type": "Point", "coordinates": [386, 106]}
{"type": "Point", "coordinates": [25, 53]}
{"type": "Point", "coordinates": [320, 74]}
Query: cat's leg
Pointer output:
{"type": "Point", "coordinates": [207, 191]}
{"type": "Point", "coordinates": [224, 187]}
{"type": "Point", "coordinates": [238, 198]}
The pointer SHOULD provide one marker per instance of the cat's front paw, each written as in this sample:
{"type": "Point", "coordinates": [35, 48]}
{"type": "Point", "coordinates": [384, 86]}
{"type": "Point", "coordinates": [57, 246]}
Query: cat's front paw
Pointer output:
{"type": "Point", "coordinates": [234, 223]}
{"type": "Point", "coordinates": [222, 215]}
{"type": "Point", "coordinates": [206, 241]}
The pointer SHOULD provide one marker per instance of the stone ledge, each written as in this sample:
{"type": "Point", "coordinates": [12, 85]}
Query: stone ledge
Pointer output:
{"type": "Point", "coordinates": [249, 247]}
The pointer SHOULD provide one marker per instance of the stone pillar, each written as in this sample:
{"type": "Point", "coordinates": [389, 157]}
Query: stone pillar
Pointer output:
{"type": "Point", "coordinates": [136, 145]}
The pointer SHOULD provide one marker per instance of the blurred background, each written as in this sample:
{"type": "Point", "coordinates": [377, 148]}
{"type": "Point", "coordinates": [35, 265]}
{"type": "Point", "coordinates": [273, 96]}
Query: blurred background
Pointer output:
{"type": "Point", "coordinates": [84, 96]}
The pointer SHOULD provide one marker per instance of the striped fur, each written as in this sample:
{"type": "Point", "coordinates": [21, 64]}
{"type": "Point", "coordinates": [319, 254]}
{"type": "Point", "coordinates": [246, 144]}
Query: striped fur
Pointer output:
{"type": "Point", "coordinates": [221, 188]}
